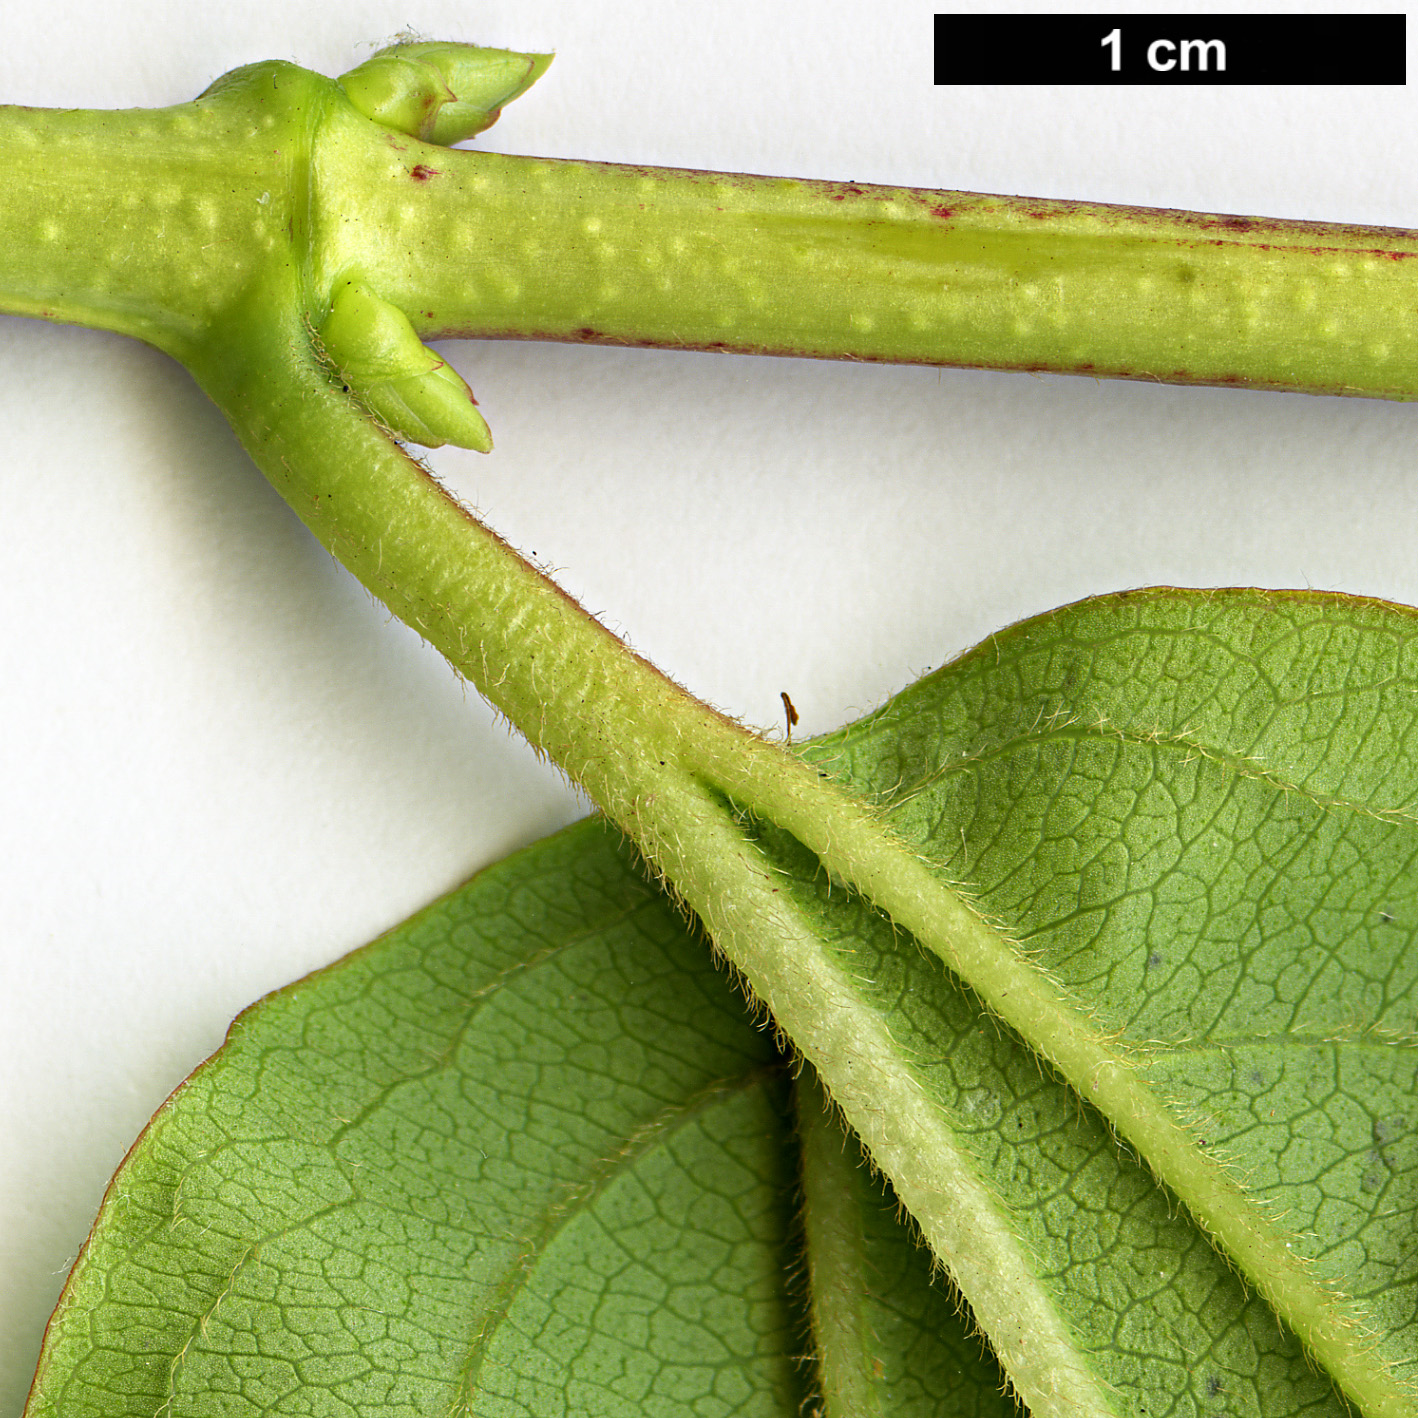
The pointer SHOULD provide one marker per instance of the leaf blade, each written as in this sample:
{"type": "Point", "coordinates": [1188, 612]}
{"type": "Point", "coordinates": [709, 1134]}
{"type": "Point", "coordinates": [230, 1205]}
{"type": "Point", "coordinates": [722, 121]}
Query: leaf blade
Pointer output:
{"type": "Point", "coordinates": [1005, 751]}
{"type": "Point", "coordinates": [310, 1265]}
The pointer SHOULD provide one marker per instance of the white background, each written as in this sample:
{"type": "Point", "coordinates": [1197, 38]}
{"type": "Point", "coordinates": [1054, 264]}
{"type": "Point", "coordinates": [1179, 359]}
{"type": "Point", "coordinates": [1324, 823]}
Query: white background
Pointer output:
{"type": "Point", "coordinates": [221, 765]}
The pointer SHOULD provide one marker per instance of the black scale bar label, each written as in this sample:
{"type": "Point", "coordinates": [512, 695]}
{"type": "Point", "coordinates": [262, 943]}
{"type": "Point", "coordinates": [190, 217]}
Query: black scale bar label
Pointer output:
{"type": "Point", "coordinates": [1170, 49]}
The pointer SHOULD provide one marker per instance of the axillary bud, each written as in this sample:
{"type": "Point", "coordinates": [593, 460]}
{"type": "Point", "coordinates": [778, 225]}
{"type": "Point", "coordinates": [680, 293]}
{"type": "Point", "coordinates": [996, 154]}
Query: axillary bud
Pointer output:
{"type": "Point", "coordinates": [441, 93]}
{"type": "Point", "coordinates": [416, 395]}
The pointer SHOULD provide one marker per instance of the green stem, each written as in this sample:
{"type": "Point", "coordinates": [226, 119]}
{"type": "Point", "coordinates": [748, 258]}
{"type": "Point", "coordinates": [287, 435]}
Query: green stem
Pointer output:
{"type": "Point", "coordinates": [541, 249]}
{"type": "Point", "coordinates": [155, 222]}
{"type": "Point", "coordinates": [272, 165]}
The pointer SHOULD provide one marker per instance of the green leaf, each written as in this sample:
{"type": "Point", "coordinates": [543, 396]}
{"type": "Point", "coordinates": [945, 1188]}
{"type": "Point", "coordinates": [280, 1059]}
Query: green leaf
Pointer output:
{"type": "Point", "coordinates": [1195, 810]}
{"type": "Point", "coordinates": [526, 1154]}
{"type": "Point", "coordinates": [529, 1154]}
{"type": "Point", "coordinates": [458, 1162]}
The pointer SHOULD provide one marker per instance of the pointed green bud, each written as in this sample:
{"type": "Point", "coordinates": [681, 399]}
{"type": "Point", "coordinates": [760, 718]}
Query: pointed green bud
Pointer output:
{"type": "Point", "coordinates": [403, 383]}
{"type": "Point", "coordinates": [441, 93]}
{"type": "Point", "coordinates": [431, 409]}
